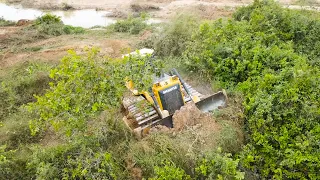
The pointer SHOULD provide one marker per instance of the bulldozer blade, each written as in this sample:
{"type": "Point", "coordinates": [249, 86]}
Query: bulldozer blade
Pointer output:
{"type": "Point", "coordinates": [167, 121]}
{"type": "Point", "coordinates": [212, 102]}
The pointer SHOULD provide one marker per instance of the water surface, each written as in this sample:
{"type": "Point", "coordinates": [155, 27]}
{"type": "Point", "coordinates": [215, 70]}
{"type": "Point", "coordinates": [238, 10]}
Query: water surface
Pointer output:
{"type": "Point", "coordinates": [84, 18]}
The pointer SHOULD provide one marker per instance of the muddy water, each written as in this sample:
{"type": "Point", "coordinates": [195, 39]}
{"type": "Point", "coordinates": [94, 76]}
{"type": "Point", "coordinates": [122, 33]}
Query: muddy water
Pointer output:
{"type": "Point", "coordinates": [84, 18]}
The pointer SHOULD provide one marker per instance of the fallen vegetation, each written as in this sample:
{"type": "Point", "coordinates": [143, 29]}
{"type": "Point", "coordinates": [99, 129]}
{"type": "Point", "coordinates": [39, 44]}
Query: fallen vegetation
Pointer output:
{"type": "Point", "coordinates": [265, 56]}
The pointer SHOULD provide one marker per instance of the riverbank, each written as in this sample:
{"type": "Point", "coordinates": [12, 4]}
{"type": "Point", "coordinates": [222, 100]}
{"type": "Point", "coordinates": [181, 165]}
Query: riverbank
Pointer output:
{"type": "Point", "coordinates": [157, 8]}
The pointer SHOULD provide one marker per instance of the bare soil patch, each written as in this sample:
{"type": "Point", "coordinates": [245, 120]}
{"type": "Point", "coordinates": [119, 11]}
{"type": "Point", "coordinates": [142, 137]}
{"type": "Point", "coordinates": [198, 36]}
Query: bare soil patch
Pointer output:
{"type": "Point", "coordinates": [188, 116]}
{"type": "Point", "coordinates": [18, 46]}
{"type": "Point", "coordinates": [192, 128]}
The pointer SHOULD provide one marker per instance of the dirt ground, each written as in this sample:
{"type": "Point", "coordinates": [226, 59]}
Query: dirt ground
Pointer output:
{"type": "Point", "coordinates": [54, 48]}
{"type": "Point", "coordinates": [158, 8]}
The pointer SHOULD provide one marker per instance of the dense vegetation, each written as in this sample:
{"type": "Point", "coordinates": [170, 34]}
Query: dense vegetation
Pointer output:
{"type": "Point", "coordinates": [92, 144]}
{"type": "Point", "coordinates": [270, 54]}
{"type": "Point", "coordinates": [266, 56]}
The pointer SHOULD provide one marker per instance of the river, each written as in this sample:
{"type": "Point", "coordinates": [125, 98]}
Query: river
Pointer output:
{"type": "Point", "coordinates": [84, 18]}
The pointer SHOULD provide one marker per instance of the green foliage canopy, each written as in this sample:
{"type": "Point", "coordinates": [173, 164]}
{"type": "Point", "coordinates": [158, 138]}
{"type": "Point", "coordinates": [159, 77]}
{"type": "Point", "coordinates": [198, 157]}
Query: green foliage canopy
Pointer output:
{"type": "Point", "coordinates": [283, 121]}
{"type": "Point", "coordinates": [85, 85]}
{"type": "Point", "coordinates": [270, 54]}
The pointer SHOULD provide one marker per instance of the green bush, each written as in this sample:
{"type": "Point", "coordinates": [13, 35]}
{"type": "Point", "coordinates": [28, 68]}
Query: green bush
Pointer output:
{"type": "Point", "coordinates": [218, 166]}
{"type": "Point", "coordinates": [15, 130]}
{"type": "Point", "coordinates": [51, 29]}
{"type": "Point", "coordinates": [73, 30]}
{"type": "Point", "coordinates": [85, 85]}
{"type": "Point", "coordinates": [49, 24]}
{"type": "Point", "coordinates": [48, 19]}
{"type": "Point", "coordinates": [283, 122]}
{"type": "Point", "coordinates": [130, 25]}
{"type": "Point", "coordinates": [164, 157]}
{"type": "Point", "coordinates": [75, 161]}
{"type": "Point", "coordinates": [85, 156]}
{"type": "Point", "coordinates": [300, 27]}
{"type": "Point", "coordinates": [229, 137]}
{"type": "Point", "coordinates": [171, 40]}
{"type": "Point", "coordinates": [268, 53]}
{"type": "Point", "coordinates": [4, 22]}
{"type": "Point", "coordinates": [19, 85]}
{"type": "Point", "coordinates": [154, 150]}
{"type": "Point", "coordinates": [231, 52]}
{"type": "Point", "coordinates": [13, 164]}
{"type": "Point", "coordinates": [170, 172]}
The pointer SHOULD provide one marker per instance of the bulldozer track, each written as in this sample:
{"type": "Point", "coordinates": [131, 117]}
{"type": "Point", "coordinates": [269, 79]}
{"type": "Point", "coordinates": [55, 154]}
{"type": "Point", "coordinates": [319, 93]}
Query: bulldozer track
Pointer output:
{"type": "Point", "coordinates": [144, 113]}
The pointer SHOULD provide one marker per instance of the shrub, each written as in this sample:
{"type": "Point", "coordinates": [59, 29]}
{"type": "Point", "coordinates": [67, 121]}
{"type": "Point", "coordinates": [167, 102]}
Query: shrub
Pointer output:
{"type": "Point", "coordinates": [49, 24]}
{"type": "Point", "coordinates": [48, 19]}
{"type": "Point", "coordinates": [170, 172]}
{"type": "Point", "coordinates": [19, 85]}
{"type": "Point", "coordinates": [301, 27]}
{"type": "Point", "coordinates": [283, 122]}
{"type": "Point", "coordinates": [130, 25]}
{"type": "Point", "coordinates": [4, 22]}
{"type": "Point", "coordinates": [85, 85]}
{"type": "Point", "coordinates": [15, 130]}
{"type": "Point", "coordinates": [86, 156]}
{"type": "Point", "coordinates": [229, 137]}
{"type": "Point", "coordinates": [96, 153]}
{"type": "Point", "coordinates": [162, 156]}
{"type": "Point", "coordinates": [152, 151]}
{"type": "Point", "coordinates": [231, 52]}
{"type": "Point", "coordinates": [218, 166]}
{"type": "Point", "coordinates": [263, 53]}
{"type": "Point", "coordinates": [13, 164]}
{"type": "Point", "coordinates": [76, 161]}
{"type": "Point", "coordinates": [73, 30]}
{"type": "Point", "coordinates": [51, 29]}
{"type": "Point", "coordinates": [171, 40]}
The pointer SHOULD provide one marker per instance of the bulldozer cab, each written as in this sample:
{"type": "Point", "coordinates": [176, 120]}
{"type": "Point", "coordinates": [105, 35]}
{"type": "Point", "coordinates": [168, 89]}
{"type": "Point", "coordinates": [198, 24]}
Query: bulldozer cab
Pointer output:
{"type": "Point", "coordinates": [167, 92]}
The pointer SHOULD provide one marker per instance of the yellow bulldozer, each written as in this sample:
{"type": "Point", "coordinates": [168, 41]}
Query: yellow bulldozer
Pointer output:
{"type": "Point", "coordinates": [156, 106]}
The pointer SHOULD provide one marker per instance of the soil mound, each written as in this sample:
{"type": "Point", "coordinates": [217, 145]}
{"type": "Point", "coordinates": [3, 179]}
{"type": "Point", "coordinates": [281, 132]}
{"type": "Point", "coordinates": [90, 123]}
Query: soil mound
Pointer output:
{"type": "Point", "coordinates": [188, 116]}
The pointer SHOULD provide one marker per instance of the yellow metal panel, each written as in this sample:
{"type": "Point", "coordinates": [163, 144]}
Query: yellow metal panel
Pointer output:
{"type": "Point", "coordinates": [171, 81]}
